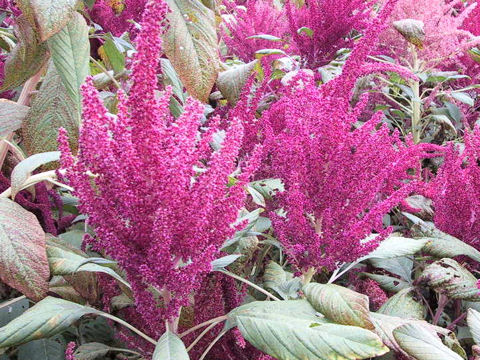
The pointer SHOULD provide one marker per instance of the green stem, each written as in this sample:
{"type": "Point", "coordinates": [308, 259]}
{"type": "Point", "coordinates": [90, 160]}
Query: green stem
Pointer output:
{"type": "Point", "coordinates": [199, 326]}
{"type": "Point", "coordinates": [212, 344]}
{"type": "Point", "coordinates": [128, 326]}
{"type": "Point", "coordinates": [203, 333]}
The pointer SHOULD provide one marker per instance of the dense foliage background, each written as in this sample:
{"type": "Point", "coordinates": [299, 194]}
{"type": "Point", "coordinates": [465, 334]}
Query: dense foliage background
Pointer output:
{"type": "Point", "coordinates": [223, 180]}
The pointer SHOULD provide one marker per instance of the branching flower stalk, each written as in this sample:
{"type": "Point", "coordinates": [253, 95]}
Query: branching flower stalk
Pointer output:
{"type": "Point", "coordinates": [159, 202]}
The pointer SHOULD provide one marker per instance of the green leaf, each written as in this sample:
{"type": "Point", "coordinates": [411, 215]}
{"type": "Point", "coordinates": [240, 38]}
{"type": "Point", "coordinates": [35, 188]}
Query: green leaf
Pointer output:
{"type": "Point", "coordinates": [232, 81]}
{"type": "Point", "coordinates": [11, 116]}
{"type": "Point", "coordinates": [446, 276]}
{"type": "Point", "coordinates": [51, 109]}
{"type": "Point", "coordinates": [265, 52]}
{"type": "Point", "coordinates": [48, 16]}
{"type": "Point", "coordinates": [65, 260]}
{"type": "Point", "coordinates": [401, 266]}
{"type": "Point", "coordinates": [388, 283]}
{"type": "Point", "coordinates": [47, 318]}
{"type": "Point", "coordinates": [12, 309]}
{"type": "Point", "coordinates": [300, 309]}
{"type": "Point", "coordinates": [24, 169]}
{"type": "Point", "coordinates": [256, 196]}
{"type": "Point", "coordinates": [170, 347]}
{"type": "Point", "coordinates": [91, 351]}
{"type": "Point", "coordinates": [473, 321]}
{"type": "Point", "coordinates": [26, 58]}
{"type": "Point", "coordinates": [396, 246]}
{"type": "Point", "coordinates": [23, 259]}
{"type": "Point", "coordinates": [114, 56]}
{"type": "Point", "coordinates": [337, 303]}
{"type": "Point", "coordinates": [463, 97]}
{"type": "Point", "coordinates": [170, 77]}
{"type": "Point", "coordinates": [289, 337]}
{"type": "Point", "coordinates": [449, 246]}
{"type": "Point", "coordinates": [281, 281]}
{"type": "Point", "coordinates": [265, 37]}
{"type": "Point", "coordinates": [43, 349]}
{"type": "Point", "coordinates": [305, 30]}
{"type": "Point", "coordinates": [70, 50]}
{"type": "Point", "coordinates": [191, 46]}
{"type": "Point", "coordinates": [403, 305]}
{"type": "Point", "coordinates": [223, 262]}
{"type": "Point", "coordinates": [418, 342]}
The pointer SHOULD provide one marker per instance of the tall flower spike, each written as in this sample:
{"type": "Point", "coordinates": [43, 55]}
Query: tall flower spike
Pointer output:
{"type": "Point", "coordinates": [155, 194]}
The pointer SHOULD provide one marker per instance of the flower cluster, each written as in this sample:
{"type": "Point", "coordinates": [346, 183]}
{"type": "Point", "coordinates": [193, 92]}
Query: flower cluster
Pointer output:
{"type": "Point", "coordinates": [155, 192]}
{"type": "Point", "coordinates": [455, 190]}
{"type": "Point", "coordinates": [328, 26]}
{"type": "Point", "coordinates": [253, 18]}
{"type": "Point", "coordinates": [115, 15]}
{"type": "Point", "coordinates": [446, 38]}
{"type": "Point", "coordinates": [341, 177]}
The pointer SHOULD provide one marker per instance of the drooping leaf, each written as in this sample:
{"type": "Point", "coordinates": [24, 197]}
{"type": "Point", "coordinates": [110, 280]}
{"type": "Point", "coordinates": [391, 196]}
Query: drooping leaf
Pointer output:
{"type": "Point", "coordinates": [91, 351]}
{"type": "Point", "coordinates": [418, 342]}
{"type": "Point", "coordinates": [403, 305]}
{"type": "Point", "coordinates": [23, 258]}
{"type": "Point", "coordinates": [223, 262]}
{"type": "Point", "coordinates": [45, 319]}
{"type": "Point", "coordinates": [65, 260]}
{"type": "Point", "coordinates": [388, 283]}
{"type": "Point", "coordinates": [70, 50]}
{"type": "Point", "coordinates": [51, 109]}
{"type": "Point", "coordinates": [449, 246]}
{"type": "Point", "coordinates": [26, 58]}
{"type": "Point", "coordinates": [48, 16]}
{"type": "Point", "coordinates": [300, 309]}
{"type": "Point", "coordinates": [342, 305]}
{"type": "Point", "coordinates": [11, 116]}
{"type": "Point", "coordinates": [287, 337]}
{"type": "Point", "coordinates": [401, 266]}
{"type": "Point", "coordinates": [62, 288]}
{"type": "Point", "coordinates": [396, 246]}
{"type": "Point", "coordinates": [446, 276]}
{"type": "Point", "coordinates": [43, 349]}
{"type": "Point", "coordinates": [232, 81]}
{"type": "Point", "coordinates": [24, 169]}
{"type": "Point", "coordinates": [170, 347]}
{"type": "Point", "coordinates": [191, 46]}
{"type": "Point", "coordinates": [473, 321]}
{"type": "Point", "coordinates": [281, 281]}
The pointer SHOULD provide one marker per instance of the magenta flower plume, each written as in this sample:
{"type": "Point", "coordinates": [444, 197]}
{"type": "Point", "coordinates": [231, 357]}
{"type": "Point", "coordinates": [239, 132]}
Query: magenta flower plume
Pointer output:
{"type": "Point", "coordinates": [341, 177]}
{"type": "Point", "coordinates": [455, 191]}
{"type": "Point", "coordinates": [153, 190]}
{"type": "Point", "coordinates": [114, 15]}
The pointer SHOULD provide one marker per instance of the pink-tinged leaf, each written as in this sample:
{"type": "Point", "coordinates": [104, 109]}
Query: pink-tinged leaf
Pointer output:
{"type": "Point", "coordinates": [191, 46]}
{"type": "Point", "coordinates": [23, 257]}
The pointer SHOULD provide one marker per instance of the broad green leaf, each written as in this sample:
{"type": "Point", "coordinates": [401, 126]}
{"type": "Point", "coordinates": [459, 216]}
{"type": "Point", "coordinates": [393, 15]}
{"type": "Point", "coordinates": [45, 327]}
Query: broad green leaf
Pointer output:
{"type": "Point", "coordinates": [70, 50]}
{"type": "Point", "coordinates": [23, 258]}
{"type": "Point", "coordinates": [388, 283]}
{"type": "Point", "coordinates": [170, 77]}
{"type": "Point", "coordinates": [268, 187]}
{"type": "Point", "coordinates": [43, 349]}
{"type": "Point", "coordinates": [403, 305]}
{"type": "Point", "coordinates": [62, 288]}
{"type": "Point", "coordinates": [401, 266]}
{"type": "Point", "coordinates": [170, 347]}
{"type": "Point", "coordinates": [47, 318]}
{"type": "Point", "coordinates": [191, 46]}
{"type": "Point", "coordinates": [65, 260]}
{"type": "Point", "coordinates": [24, 169]}
{"type": "Point", "coordinates": [446, 276]}
{"type": "Point", "coordinates": [51, 109]}
{"type": "Point", "coordinates": [91, 351]}
{"type": "Point", "coordinates": [48, 16]}
{"type": "Point", "coordinates": [114, 56]}
{"type": "Point", "coordinates": [462, 97]}
{"type": "Point", "coordinates": [256, 196]}
{"type": "Point", "coordinates": [449, 246]}
{"type": "Point", "coordinates": [97, 329]}
{"type": "Point", "coordinates": [11, 116]}
{"type": "Point", "coordinates": [337, 303]}
{"type": "Point", "coordinates": [223, 262]}
{"type": "Point", "coordinates": [11, 309]}
{"type": "Point", "coordinates": [396, 246]}
{"type": "Point", "coordinates": [27, 57]}
{"type": "Point", "coordinates": [232, 81]}
{"type": "Point", "coordinates": [281, 281]}
{"type": "Point", "coordinates": [288, 337]}
{"type": "Point", "coordinates": [265, 37]}
{"type": "Point", "coordinates": [300, 309]}
{"type": "Point", "coordinates": [420, 343]}
{"type": "Point", "coordinates": [473, 321]}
